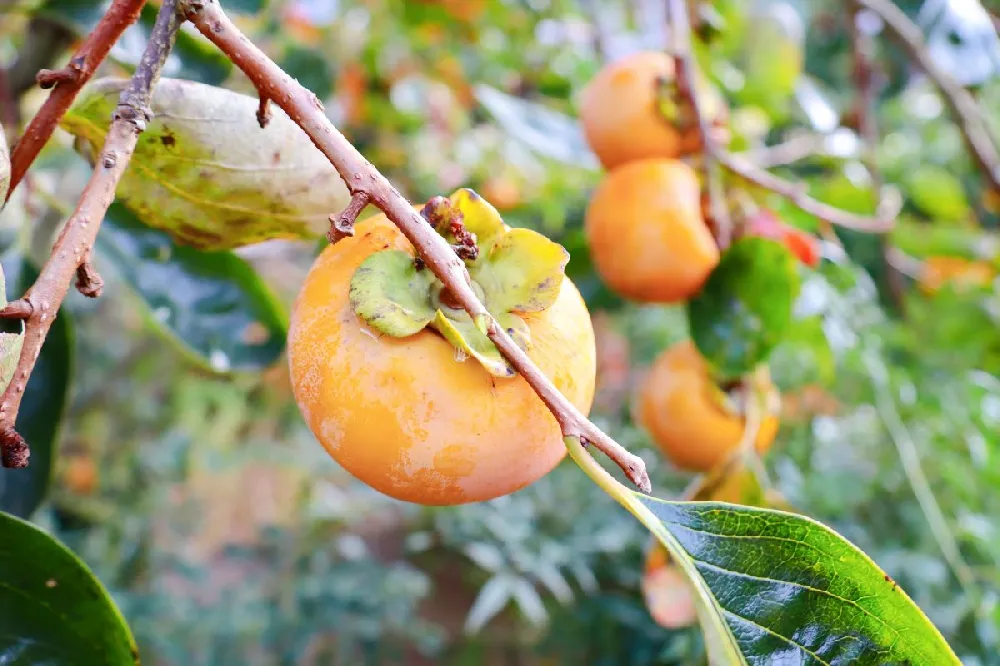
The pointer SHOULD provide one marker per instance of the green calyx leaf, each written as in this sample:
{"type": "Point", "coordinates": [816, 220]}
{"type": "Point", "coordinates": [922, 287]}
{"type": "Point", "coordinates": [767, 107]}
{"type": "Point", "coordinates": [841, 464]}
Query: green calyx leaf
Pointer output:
{"type": "Point", "coordinates": [513, 271]}
{"type": "Point", "coordinates": [745, 307]}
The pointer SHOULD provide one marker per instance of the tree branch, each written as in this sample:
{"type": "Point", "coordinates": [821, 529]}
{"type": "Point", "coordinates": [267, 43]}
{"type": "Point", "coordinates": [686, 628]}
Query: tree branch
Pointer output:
{"type": "Point", "coordinates": [967, 114]}
{"type": "Point", "coordinates": [82, 65]}
{"type": "Point", "coordinates": [885, 217]}
{"type": "Point", "coordinates": [867, 87]}
{"type": "Point", "coordinates": [73, 246]}
{"type": "Point", "coordinates": [685, 73]}
{"type": "Point", "coordinates": [305, 109]}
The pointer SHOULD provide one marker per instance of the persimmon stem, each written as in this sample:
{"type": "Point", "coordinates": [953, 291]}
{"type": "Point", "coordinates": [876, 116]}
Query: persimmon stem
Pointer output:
{"type": "Point", "coordinates": [71, 252]}
{"type": "Point", "coordinates": [305, 109]}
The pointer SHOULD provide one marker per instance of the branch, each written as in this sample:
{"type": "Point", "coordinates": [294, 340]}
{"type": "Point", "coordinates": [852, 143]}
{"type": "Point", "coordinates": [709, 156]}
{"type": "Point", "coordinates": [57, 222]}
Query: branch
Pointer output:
{"type": "Point", "coordinates": [305, 109]}
{"type": "Point", "coordinates": [71, 252]}
{"type": "Point", "coordinates": [82, 65]}
{"type": "Point", "coordinates": [685, 73]}
{"type": "Point", "coordinates": [867, 87]}
{"type": "Point", "coordinates": [967, 114]}
{"type": "Point", "coordinates": [796, 148]}
{"type": "Point", "coordinates": [885, 217]}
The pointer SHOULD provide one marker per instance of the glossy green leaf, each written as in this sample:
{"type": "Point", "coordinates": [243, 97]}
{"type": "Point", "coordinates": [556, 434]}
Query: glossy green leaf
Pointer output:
{"type": "Point", "coordinates": [391, 295]}
{"type": "Point", "coordinates": [39, 419]}
{"type": "Point", "coordinates": [521, 272]}
{"type": "Point", "coordinates": [745, 307]}
{"type": "Point", "coordinates": [792, 591]}
{"type": "Point", "coordinates": [213, 303]}
{"type": "Point", "coordinates": [206, 173]}
{"type": "Point", "coordinates": [52, 609]}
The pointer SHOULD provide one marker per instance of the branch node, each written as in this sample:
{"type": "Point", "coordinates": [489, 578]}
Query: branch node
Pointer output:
{"type": "Point", "coordinates": [19, 309]}
{"type": "Point", "coordinates": [72, 73]}
{"type": "Point", "coordinates": [14, 451]}
{"type": "Point", "coordinates": [342, 226]}
{"type": "Point", "coordinates": [88, 280]}
{"type": "Point", "coordinates": [264, 111]}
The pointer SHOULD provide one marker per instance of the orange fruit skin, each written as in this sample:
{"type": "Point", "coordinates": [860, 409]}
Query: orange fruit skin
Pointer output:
{"type": "Point", "coordinates": [677, 404]}
{"type": "Point", "coordinates": [404, 415]}
{"type": "Point", "coordinates": [620, 115]}
{"type": "Point", "coordinates": [962, 273]}
{"type": "Point", "coordinates": [646, 234]}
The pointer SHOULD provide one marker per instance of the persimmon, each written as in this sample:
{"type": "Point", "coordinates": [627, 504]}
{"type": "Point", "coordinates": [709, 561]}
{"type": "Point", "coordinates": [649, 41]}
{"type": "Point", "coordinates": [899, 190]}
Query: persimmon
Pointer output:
{"type": "Point", "coordinates": [957, 271]}
{"type": "Point", "coordinates": [646, 233]}
{"type": "Point", "coordinates": [622, 116]}
{"type": "Point", "coordinates": [436, 417]}
{"type": "Point", "coordinates": [687, 414]}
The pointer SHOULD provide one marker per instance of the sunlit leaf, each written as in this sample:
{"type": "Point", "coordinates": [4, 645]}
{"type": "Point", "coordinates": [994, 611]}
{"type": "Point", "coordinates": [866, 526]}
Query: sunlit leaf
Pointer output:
{"type": "Point", "coordinates": [39, 419]}
{"type": "Point", "coordinates": [212, 303]}
{"type": "Point", "coordinates": [207, 174]}
{"type": "Point", "coordinates": [52, 609]}
{"type": "Point", "coordinates": [745, 307]}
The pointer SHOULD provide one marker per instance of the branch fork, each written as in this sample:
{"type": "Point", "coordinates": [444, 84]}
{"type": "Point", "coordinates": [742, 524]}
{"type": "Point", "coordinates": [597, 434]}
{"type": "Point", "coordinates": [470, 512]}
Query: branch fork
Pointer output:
{"type": "Point", "coordinates": [342, 226]}
{"type": "Point", "coordinates": [71, 73]}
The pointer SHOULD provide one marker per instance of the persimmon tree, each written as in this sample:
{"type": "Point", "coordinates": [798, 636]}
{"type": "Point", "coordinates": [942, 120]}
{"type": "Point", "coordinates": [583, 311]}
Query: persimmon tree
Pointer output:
{"type": "Point", "coordinates": [428, 285]}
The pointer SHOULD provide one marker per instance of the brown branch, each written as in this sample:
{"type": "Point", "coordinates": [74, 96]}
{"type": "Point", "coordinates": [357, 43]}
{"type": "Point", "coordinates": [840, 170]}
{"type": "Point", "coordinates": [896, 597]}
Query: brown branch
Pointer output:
{"type": "Point", "coordinates": [72, 248]}
{"type": "Point", "coordinates": [91, 53]}
{"type": "Point", "coordinates": [264, 112]}
{"type": "Point", "coordinates": [19, 309]}
{"type": "Point", "coordinates": [306, 110]}
{"type": "Point", "coordinates": [967, 114]}
{"type": "Point", "coordinates": [685, 74]}
{"type": "Point", "coordinates": [867, 103]}
{"type": "Point", "coordinates": [342, 226]}
{"type": "Point", "coordinates": [885, 217]}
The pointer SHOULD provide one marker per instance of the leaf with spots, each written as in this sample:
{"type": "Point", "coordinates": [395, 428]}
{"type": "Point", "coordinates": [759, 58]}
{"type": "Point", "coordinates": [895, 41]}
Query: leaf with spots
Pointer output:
{"type": "Point", "coordinates": [391, 295]}
{"type": "Point", "coordinates": [52, 609]}
{"type": "Point", "coordinates": [213, 305]}
{"type": "Point", "coordinates": [521, 272]}
{"type": "Point", "coordinates": [207, 174]}
{"type": "Point", "coordinates": [745, 308]}
{"type": "Point", "coordinates": [789, 590]}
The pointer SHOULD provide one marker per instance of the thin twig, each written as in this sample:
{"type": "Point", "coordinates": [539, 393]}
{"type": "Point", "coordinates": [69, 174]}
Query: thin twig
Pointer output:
{"type": "Point", "coordinates": [305, 109]}
{"type": "Point", "coordinates": [796, 148]}
{"type": "Point", "coordinates": [342, 226]}
{"type": "Point", "coordinates": [91, 53]}
{"type": "Point", "coordinates": [868, 91]}
{"type": "Point", "coordinates": [883, 220]}
{"type": "Point", "coordinates": [685, 74]}
{"type": "Point", "coordinates": [73, 246]}
{"type": "Point", "coordinates": [967, 114]}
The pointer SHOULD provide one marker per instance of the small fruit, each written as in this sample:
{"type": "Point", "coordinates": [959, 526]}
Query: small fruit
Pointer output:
{"type": "Point", "coordinates": [959, 272]}
{"type": "Point", "coordinates": [646, 234]}
{"type": "Point", "coordinates": [687, 415]}
{"type": "Point", "coordinates": [420, 417]}
{"type": "Point", "coordinates": [803, 245]}
{"type": "Point", "coordinates": [622, 116]}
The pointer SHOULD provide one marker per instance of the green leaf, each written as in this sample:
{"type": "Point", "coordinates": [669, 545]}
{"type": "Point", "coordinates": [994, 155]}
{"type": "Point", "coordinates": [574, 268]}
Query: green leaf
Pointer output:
{"type": "Point", "coordinates": [391, 295]}
{"type": "Point", "coordinates": [10, 352]}
{"type": "Point", "coordinates": [310, 67]}
{"type": "Point", "coordinates": [804, 355]}
{"type": "Point", "coordinates": [212, 303]}
{"type": "Point", "coordinates": [463, 334]}
{"type": "Point", "coordinates": [52, 609]}
{"type": "Point", "coordinates": [745, 307]}
{"type": "Point", "coordinates": [207, 174]}
{"type": "Point", "coordinates": [4, 170]}
{"type": "Point", "coordinates": [40, 417]}
{"type": "Point", "coordinates": [521, 272]}
{"type": "Point", "coordinates": [792, 590]}
{"type": "Point", "coordinates": [937, 193]}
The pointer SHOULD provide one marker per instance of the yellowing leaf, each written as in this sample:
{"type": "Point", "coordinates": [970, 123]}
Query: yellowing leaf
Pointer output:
{"type": "Point", "coordinates": [480, 217]}
{"type": "Point", "coordinates": [207, 174]}
{"type": "Point", "coordinates": [469, 340]}
{"type": "Point", "coordinates": [522, 272]}
{"type": "Point", "coordinates": [391, 295]}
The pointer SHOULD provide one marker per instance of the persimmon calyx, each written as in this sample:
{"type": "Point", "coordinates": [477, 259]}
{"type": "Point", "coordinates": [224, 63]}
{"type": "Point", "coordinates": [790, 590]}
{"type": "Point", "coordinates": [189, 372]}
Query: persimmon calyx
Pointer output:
{"type": "Point", "coordinates": [512, 271]}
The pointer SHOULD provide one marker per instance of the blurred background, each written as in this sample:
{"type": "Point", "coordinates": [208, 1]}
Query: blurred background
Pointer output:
{"type": "Point", "coordinates": [191, 486]}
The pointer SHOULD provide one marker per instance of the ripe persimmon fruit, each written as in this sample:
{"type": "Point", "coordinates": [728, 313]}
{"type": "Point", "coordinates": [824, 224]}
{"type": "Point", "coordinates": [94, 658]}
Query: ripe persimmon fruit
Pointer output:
{"type": "Point", "coordinates": [646, 233]}
{"type": "Point", "coordinates": [622, 117]}
{"type": "Point", "coordinates": [412, 416]}
{"type": "Point", "coordinates": [687, 414]}
{"type": "Point", "coordinates": [959, 272]}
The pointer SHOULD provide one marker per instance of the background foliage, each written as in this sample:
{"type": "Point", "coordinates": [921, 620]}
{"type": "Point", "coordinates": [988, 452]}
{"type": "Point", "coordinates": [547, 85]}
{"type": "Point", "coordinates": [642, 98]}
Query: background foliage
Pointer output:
{"type": "Point", "coordinates": [192, 488]}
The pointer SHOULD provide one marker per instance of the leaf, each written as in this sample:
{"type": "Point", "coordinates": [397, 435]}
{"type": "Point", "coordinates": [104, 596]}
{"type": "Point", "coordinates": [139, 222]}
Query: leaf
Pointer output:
{"type": "Point", "coordinates": [10, 352]}
{"type": "Point", "coordinates": [479, 216]}
{"type": "Point", "coordinates": [745, 307]}
{"type": "Point", "coordinates": [207, 174]}
{"type": "Point", "coordinates": [545, 131]}
{"type": "Point", "coordinates": [468, 339]}
{"type": "Point", "coordinates": [212, 303]}
{"type": "Point", "coordinates": [391, 295]}
{"type": "Point", "coordinates": [39, 419]}
{"type": "Point", "coordinates": [52, 609]}
{"type": "Point", "coordinates": [805, 355]}
{"type": "Point", "coordinates": [791, 590]}
{"type": "Point", "coordinates": [937, 193]}
{"type": "Point", "coordinates": [522, 272]}
{"type": "Point", "coordinates": [4, 169]}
